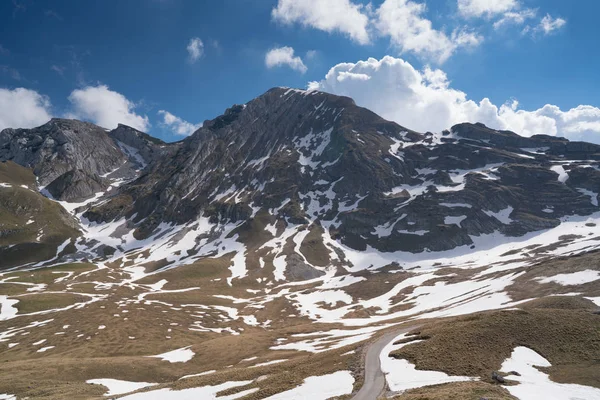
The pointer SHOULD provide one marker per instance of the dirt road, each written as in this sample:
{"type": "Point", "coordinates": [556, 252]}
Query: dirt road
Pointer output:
{"type": "Point", "coordinates": [374, 383]}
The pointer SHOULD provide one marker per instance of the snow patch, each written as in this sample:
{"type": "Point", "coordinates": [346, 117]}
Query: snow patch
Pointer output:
{"type": "Point", "coordinates": [454, 220]}
{"type": "Point", "coordinates": [116, 386]}
{"type": "Point", "coordinates": [401, 375]}
{"type": "Point", "coordinates": [593, 196]}
{"type": "Point", "coordinates": [502, 215]}
{"type": "Point", "coordinates": [573, 278]}
{"type": "Point", "coordinates": [535, 384]}
{"type": "Point", "coordinates": [175, 356]}
{"type": "Point", "coordinates": [319, 387]}
{"type": "Point", "coordinates": [204, 393]}
{"type": "Point", "coordinates": [562, 174]}
{"type": "Point", "coordinates": [7, 308]}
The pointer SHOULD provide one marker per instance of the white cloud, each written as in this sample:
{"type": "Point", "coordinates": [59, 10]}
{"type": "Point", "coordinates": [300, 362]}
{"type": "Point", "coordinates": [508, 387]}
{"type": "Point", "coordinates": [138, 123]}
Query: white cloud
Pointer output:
{"type": "Point", "coordinates": [485, 8]}
{"type": "Point", "coordinates": [311, 54]}
{"type": "Point", "coordinates": [549, 24]}
{"type": "Point", "coordinates": [403, 22]}
{"type": "Point", "coordinates": [330, 16]}
{"type": "Point", "coordinates": [515, 17]}
{"type": "Point", "coordinates": [284, 56]}
{"type": "Point", "coordinates": [425, 101]}
{"type": "Point", "coordinates": [106, 108]}
{"type": "Point", "coordinates": [195, 49]}
{"type": "Point", "coordinates": [509, 12]}
{"type": "Point", "coordinates": [23, 108]}
{"type": "Point", "coordinates": [178, 125]}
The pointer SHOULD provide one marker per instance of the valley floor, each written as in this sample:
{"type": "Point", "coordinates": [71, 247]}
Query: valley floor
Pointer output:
{"type": "Point", "coordinates": [97, 329]}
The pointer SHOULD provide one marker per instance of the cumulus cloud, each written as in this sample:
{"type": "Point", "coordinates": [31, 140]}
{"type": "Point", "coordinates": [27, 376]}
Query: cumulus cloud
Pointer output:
{"type": "Point", "coordinates": [195, 49]}
{"type": "Point", "coordinates": [178, 125]}
{"type": "Point", "coordinates": [485, 8]}
{"type": "Point", "coordinates": [425, 101]}
{"type": "Point", "coordinates": [330, 16]}
{"type": "Point", "coordinates": [280, 56]}
{"type": "Point", "coordinates": [23, 108]}
{"type": "Point", "coordinates": [106, 108]}
{"type": "Point", "coordinates": [403, 22]}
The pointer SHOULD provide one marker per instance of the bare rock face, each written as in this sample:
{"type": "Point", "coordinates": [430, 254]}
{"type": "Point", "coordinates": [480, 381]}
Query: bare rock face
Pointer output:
{"type": "Point", "coordinates": [75, 185]}
{"type": "Point", "coordinates": [77, 154]}
{"type": "Point", "coordinates": [276, 148]}
{"type": "Point", "coordinates": [141, 148]}
{"type": "Point", "coordinates": [298, 270]}
{"type": "Point", "coordinates": [315, 157]}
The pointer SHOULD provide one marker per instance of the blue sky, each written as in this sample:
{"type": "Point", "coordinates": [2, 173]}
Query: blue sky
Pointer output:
{"type": "Point", "coordinates": [111, 60]}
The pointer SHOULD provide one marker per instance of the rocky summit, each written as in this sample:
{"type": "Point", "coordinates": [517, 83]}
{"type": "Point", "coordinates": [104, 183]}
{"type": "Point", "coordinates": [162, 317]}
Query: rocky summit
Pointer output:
{"type": "Point", "coordinates": [294, 229]}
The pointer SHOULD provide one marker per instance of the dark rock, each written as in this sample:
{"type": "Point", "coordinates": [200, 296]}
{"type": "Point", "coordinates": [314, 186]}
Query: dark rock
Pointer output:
{"type": "Point", "coordinates": [498, 378]}
{"type": "Point", "coordinates": [62, 146]}
{"type": "Point", "coordinates": [141, 148]}
{"type": "Point", "coordinates": [298, 270]}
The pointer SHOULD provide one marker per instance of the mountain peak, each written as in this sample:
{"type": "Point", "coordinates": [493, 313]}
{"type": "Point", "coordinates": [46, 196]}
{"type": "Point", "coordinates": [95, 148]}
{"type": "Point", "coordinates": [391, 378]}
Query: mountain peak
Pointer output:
{"type": "Point", "coordinates": [61, 150]}
{"type": "Point", "coordinates": [123, 130]}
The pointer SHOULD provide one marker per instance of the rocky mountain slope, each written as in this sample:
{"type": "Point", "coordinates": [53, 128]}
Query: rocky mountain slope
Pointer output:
{"type": "Point", "coordinates": [319, 160]}
{"type": "Point", "coordinates": [69, 158]}
{"type": "Point", "coordinates": [291, 229]}
{"type": "Point", "coordinates": [293, 165]}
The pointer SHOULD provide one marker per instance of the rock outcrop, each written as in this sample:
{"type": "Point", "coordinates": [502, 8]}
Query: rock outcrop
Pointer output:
{"type": "Point", "coordinates": [70, 158]}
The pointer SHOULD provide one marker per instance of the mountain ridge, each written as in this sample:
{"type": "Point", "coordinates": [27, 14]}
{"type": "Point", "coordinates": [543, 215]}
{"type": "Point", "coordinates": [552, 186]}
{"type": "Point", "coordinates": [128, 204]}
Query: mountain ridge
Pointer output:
{"type": "Point", "coordinates": [313, 158]}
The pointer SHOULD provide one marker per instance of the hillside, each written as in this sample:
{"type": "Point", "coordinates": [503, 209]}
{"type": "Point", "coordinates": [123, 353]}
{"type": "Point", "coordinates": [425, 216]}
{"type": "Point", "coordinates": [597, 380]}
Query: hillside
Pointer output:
{"type": "Point", "coordinates": [265, 251]}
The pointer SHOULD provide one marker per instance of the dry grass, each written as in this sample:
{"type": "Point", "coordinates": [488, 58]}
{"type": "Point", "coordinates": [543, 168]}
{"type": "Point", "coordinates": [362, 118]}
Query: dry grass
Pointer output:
{"type": "Point", "coordinates": [49, 275]}
{"type": "Point", "coordinates": [457, 391]}
{"type": "Point", "coordinates": [137, 328]}
{"type": "Point", "coordinates": [11, 289]}
{"type": "Point", "coordinates": [564, 331]}
{"type": "Point", "coordinates": [527, 286]}
{"type": "Point", "coordinates": [20, 204]}
{"type": "Point", "coordinates": [199, 273]}
{"type": "Point", "coordinates": [313, 248]}
{"type": "Point", "coordinates": [561, 329]}
{"type": "Point", "coordinates": [31, 303]}
{"type": "Point", "coordinates": [15, 174]}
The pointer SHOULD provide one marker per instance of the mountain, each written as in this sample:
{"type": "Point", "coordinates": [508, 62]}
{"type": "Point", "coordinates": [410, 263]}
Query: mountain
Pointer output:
{"type": "Point", "coordinates": [295, 159]}
{"type": "Point", "coordinates": [292, 230]}
{"type": "Point", "coordinates": [69, 158]}
{"type": "Point", "coordinates": [319, 158]}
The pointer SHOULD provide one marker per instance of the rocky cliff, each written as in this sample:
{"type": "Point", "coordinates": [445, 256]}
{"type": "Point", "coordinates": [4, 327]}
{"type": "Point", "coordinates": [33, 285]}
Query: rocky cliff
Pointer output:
{"type": "Point", "coordinates": [312, 157]}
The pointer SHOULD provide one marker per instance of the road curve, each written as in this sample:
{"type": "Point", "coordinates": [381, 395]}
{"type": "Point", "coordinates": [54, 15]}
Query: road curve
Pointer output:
{"type": "Point", "coordinates": [374, 383]}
